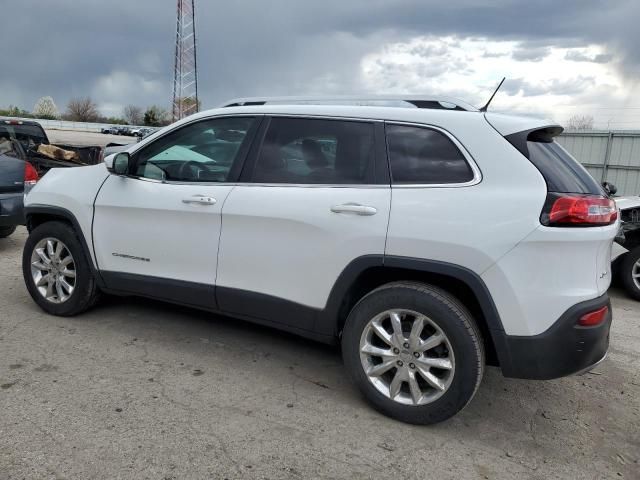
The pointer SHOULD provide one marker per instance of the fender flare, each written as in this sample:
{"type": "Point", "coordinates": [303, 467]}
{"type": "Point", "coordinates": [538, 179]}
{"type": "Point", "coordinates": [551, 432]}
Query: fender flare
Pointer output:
{"type": "Point", "coordinates": [59, 212]}
{"type": "Point", "coordinates": [327, 320]}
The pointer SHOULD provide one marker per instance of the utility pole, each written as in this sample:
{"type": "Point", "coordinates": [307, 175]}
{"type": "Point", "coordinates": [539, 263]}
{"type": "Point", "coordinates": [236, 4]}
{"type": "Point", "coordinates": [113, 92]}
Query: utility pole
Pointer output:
{"type": "Point", "coordinates": [185, 72]}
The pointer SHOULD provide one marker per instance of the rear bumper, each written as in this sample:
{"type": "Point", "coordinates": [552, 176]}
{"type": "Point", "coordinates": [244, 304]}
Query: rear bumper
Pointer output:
{"type": "Point", "coordinates": [564, 349]}
{"type": "Point", "coordinates": [11, 209]}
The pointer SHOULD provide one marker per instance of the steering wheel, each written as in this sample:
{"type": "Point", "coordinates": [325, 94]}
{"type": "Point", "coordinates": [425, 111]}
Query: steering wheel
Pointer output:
{"type": "Point", "coordinates": [190, 163]}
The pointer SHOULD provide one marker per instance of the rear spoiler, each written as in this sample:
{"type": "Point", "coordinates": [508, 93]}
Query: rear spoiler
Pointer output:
{"type": "Point", "coordinates": [519, 130]}
{"type": "Point", "coordinates": [542, 135]}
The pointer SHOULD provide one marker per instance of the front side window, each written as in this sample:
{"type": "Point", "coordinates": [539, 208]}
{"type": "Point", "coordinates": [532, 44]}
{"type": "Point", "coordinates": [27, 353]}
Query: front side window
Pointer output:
{"type": "Point", "coordinates": [200, 152]}
{"type": "Point", "coordinates": [420, 155]}
{"type": "Point", "coordinates": [314, 151]}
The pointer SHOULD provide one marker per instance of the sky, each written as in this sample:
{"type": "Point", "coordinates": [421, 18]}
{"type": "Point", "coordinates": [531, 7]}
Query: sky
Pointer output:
{"type": "Point", "coordinates": [561, 58]}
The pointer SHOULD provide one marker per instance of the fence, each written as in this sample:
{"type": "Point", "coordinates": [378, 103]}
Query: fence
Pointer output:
{"type": "Point", "coordinates": [611, 156]}
{"type": "Point", "coordinates": [66, 125]}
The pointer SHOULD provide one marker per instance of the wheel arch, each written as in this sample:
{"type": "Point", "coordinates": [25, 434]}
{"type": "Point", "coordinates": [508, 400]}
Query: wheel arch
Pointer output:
{"type": "Point", "coordinates": [367, 273]}
{"type": "Point", "coordinates": [37, 215]}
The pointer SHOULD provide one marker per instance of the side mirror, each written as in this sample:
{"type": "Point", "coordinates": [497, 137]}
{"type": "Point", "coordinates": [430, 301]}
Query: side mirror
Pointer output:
{"type": "Point", "coordinates": [118, 163]}
{"type": "Point", "coordinates": [610, 188]}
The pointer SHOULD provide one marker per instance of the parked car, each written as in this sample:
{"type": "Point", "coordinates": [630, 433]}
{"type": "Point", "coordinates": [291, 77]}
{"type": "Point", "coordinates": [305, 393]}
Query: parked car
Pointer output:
{"type": "Point", "coordinates": [23, 161]}
{"type": "Point", "coordinates": [31, 137]}
{"type": "Point", "coordinates": [112, 130]}
{"type": "Point", "coordinates": [627, 255]}
{"type": "Point", "coordinates": [145, 132]}
{"type": "Point", "coordinates": [17, 177]}
{"type": "Point", "coordinates": [493, 249]}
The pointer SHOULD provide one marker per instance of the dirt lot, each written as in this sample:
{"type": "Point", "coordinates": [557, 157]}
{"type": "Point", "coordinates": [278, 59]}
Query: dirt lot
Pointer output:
{"type": "Point", "coordinates": [138, 389]}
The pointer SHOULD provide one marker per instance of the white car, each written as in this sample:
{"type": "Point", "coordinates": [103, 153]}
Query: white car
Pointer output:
{"type": "Point", "coordinates": [626, 261]}
{"type": "Point", "coordinates": [427, 241]}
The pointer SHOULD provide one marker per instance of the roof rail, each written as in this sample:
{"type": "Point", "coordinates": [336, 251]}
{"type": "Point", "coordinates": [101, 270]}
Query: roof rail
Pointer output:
{"type": "Point", "coordinates": [419, 101]}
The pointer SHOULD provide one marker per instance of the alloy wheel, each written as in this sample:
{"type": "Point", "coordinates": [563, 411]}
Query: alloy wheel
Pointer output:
{"type": "Point", "coordinates": [635, 274]}
{"type": "Point", "coordinates": [407, 357]}
{"type": "Point", "coordinates": [53, 270]}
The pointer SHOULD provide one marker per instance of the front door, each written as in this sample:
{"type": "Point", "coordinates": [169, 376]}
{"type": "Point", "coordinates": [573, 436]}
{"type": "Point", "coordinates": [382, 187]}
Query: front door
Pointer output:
{"type": "Point", "coordinates": [156, 231]}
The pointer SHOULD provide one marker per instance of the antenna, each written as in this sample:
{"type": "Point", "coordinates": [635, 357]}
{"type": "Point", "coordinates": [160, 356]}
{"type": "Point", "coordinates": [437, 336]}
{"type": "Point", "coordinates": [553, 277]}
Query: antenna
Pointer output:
{"type": "Point", "coordinates": [484, 109]}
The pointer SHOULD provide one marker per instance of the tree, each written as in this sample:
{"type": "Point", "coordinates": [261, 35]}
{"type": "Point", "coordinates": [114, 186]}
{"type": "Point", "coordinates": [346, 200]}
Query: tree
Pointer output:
{"type": "Point", "coordinates": [580, 122]}
{"type": "Point", "coordinates": [82, 110]}
{"type": "Point", "coordinates": [45, 108]}
{"type": "Point", "coordinates": [156, 116]}
{"type": "Point", "coordinates": [13, 111]}
{"type": "Point", "coordinates": [133, 114]}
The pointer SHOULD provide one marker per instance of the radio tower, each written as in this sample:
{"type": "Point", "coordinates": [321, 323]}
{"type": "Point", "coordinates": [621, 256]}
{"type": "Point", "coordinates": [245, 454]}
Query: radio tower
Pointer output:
{"type": "Point", "coordinates": [185, 73]}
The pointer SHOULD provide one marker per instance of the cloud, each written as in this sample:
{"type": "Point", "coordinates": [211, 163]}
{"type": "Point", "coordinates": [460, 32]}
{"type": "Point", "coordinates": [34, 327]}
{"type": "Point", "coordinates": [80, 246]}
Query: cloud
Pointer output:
{"type": "Point", "coordinates": [581, 56]}
{"type": "Point", "coordinates": [122, 51]}
{"type": "Point", "coordinates": [548, 86]}
{"type": "Point", "coordinates": [530, 54]}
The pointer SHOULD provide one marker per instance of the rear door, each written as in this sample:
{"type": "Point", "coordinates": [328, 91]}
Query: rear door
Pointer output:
{"type": "Point", "coordinates": [312, 200]}
{"type": "Point", "coordinates": [156, 230]}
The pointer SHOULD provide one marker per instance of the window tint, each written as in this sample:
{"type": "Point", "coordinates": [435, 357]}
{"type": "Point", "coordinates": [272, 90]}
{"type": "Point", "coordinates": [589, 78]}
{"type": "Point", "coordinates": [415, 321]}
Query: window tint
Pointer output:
{"type": "Point", "coordinates": [201, 152]}
{"type": "Point", "coordinates": [309, 151]}
{"type": "Point", "coordinates": [561, 171]}
{"type": "Point", "coordinates": [425, 156]}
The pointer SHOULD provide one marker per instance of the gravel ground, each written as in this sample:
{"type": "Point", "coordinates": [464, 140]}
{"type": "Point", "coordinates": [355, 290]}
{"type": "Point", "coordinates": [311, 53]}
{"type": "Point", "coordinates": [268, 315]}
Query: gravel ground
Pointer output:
{"type": "Point", "coordinates": [139, 389]}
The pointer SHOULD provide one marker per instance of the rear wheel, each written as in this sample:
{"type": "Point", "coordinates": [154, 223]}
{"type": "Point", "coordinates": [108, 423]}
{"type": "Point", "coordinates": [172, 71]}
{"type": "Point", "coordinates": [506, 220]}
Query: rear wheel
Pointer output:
{"type": "Point", "coordinates": [630, 272]}
{"type": "Point", "coordinates": [6, 231]}
{"type": "Point", "coordinates": [56, 270]}
{"type": "Point", "coordinates": [414, 351]}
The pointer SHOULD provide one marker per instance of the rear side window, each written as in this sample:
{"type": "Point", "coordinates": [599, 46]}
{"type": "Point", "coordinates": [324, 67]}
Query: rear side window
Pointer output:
{"type": "Point", "coordinates": [561, 171]}
{"type": "Point", "coordinates": [425, 156]}
{"type": "Point", "coordinates": [314, 151]}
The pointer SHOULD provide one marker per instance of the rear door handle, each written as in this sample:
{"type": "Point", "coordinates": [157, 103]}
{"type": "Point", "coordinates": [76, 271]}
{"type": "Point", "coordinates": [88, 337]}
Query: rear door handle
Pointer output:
{"type": "Point", "coordinates": [200, 200]}
{"type": "Point", "coordinates": [355, 208]}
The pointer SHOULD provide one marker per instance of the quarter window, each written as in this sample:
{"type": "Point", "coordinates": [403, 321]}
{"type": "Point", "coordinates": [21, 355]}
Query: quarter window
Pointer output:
{"type": "Point", "coordinates": [314, 151]}
{"type": "Point", "coordinates": [425, 156]}
{"type": "Point", "coordinates": [201, 152]}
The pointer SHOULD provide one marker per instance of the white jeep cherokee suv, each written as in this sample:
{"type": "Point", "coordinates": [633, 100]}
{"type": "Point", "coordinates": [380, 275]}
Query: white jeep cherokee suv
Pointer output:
{"type": "Point", "coordinates": [426, 237]}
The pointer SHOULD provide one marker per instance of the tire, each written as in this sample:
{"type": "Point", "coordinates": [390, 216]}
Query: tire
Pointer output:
{"type": "Point", "coordinates": [84, 291]}
{"type": "Point", "coordinates": [6, 231]}
{"type": "Point", "coordinates": [629, 267]}
{"type": "Point", "coordinates": [461, 349]}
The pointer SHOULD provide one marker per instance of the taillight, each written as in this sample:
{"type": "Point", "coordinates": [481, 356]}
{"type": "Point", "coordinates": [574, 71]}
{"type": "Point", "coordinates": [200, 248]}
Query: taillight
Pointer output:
{"type": "Point", "coordinates": [594, 318]}
{"type": "Point", "coordinates": [574, 210]}
{"type": "Point", "coordinates": [30, 174]}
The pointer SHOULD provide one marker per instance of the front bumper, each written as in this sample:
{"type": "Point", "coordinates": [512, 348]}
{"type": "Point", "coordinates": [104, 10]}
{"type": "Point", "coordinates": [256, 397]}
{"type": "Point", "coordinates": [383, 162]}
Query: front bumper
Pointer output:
{"type": "Point", "coordinates": [564, 349]}
{"type": "Point", "coordinates": [11, 209]}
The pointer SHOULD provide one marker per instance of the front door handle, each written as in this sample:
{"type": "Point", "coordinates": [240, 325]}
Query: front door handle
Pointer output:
{"type": "Point", "coordinates": [355, 208]}
{"type": "Point", "coordinates": [200, 200]}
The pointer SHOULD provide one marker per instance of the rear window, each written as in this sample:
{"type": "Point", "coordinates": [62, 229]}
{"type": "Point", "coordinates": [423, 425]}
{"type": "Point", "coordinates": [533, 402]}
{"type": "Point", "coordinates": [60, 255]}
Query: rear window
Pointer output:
{"type": "Point", "coordinates": [561, 171]}
{"type": "Point", "coordinates": [425, 156]}
{"type": "Point", "coordinates": [29, 136]}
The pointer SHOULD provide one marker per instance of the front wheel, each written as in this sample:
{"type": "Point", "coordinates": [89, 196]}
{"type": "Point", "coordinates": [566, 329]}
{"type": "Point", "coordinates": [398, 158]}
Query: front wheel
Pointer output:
{"type": "Point", "coordinates": [630, 272]}
{"type": "Point", "coordinates": [414, 351]}
{"type": "Point", "coordinates": [56, 270]}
